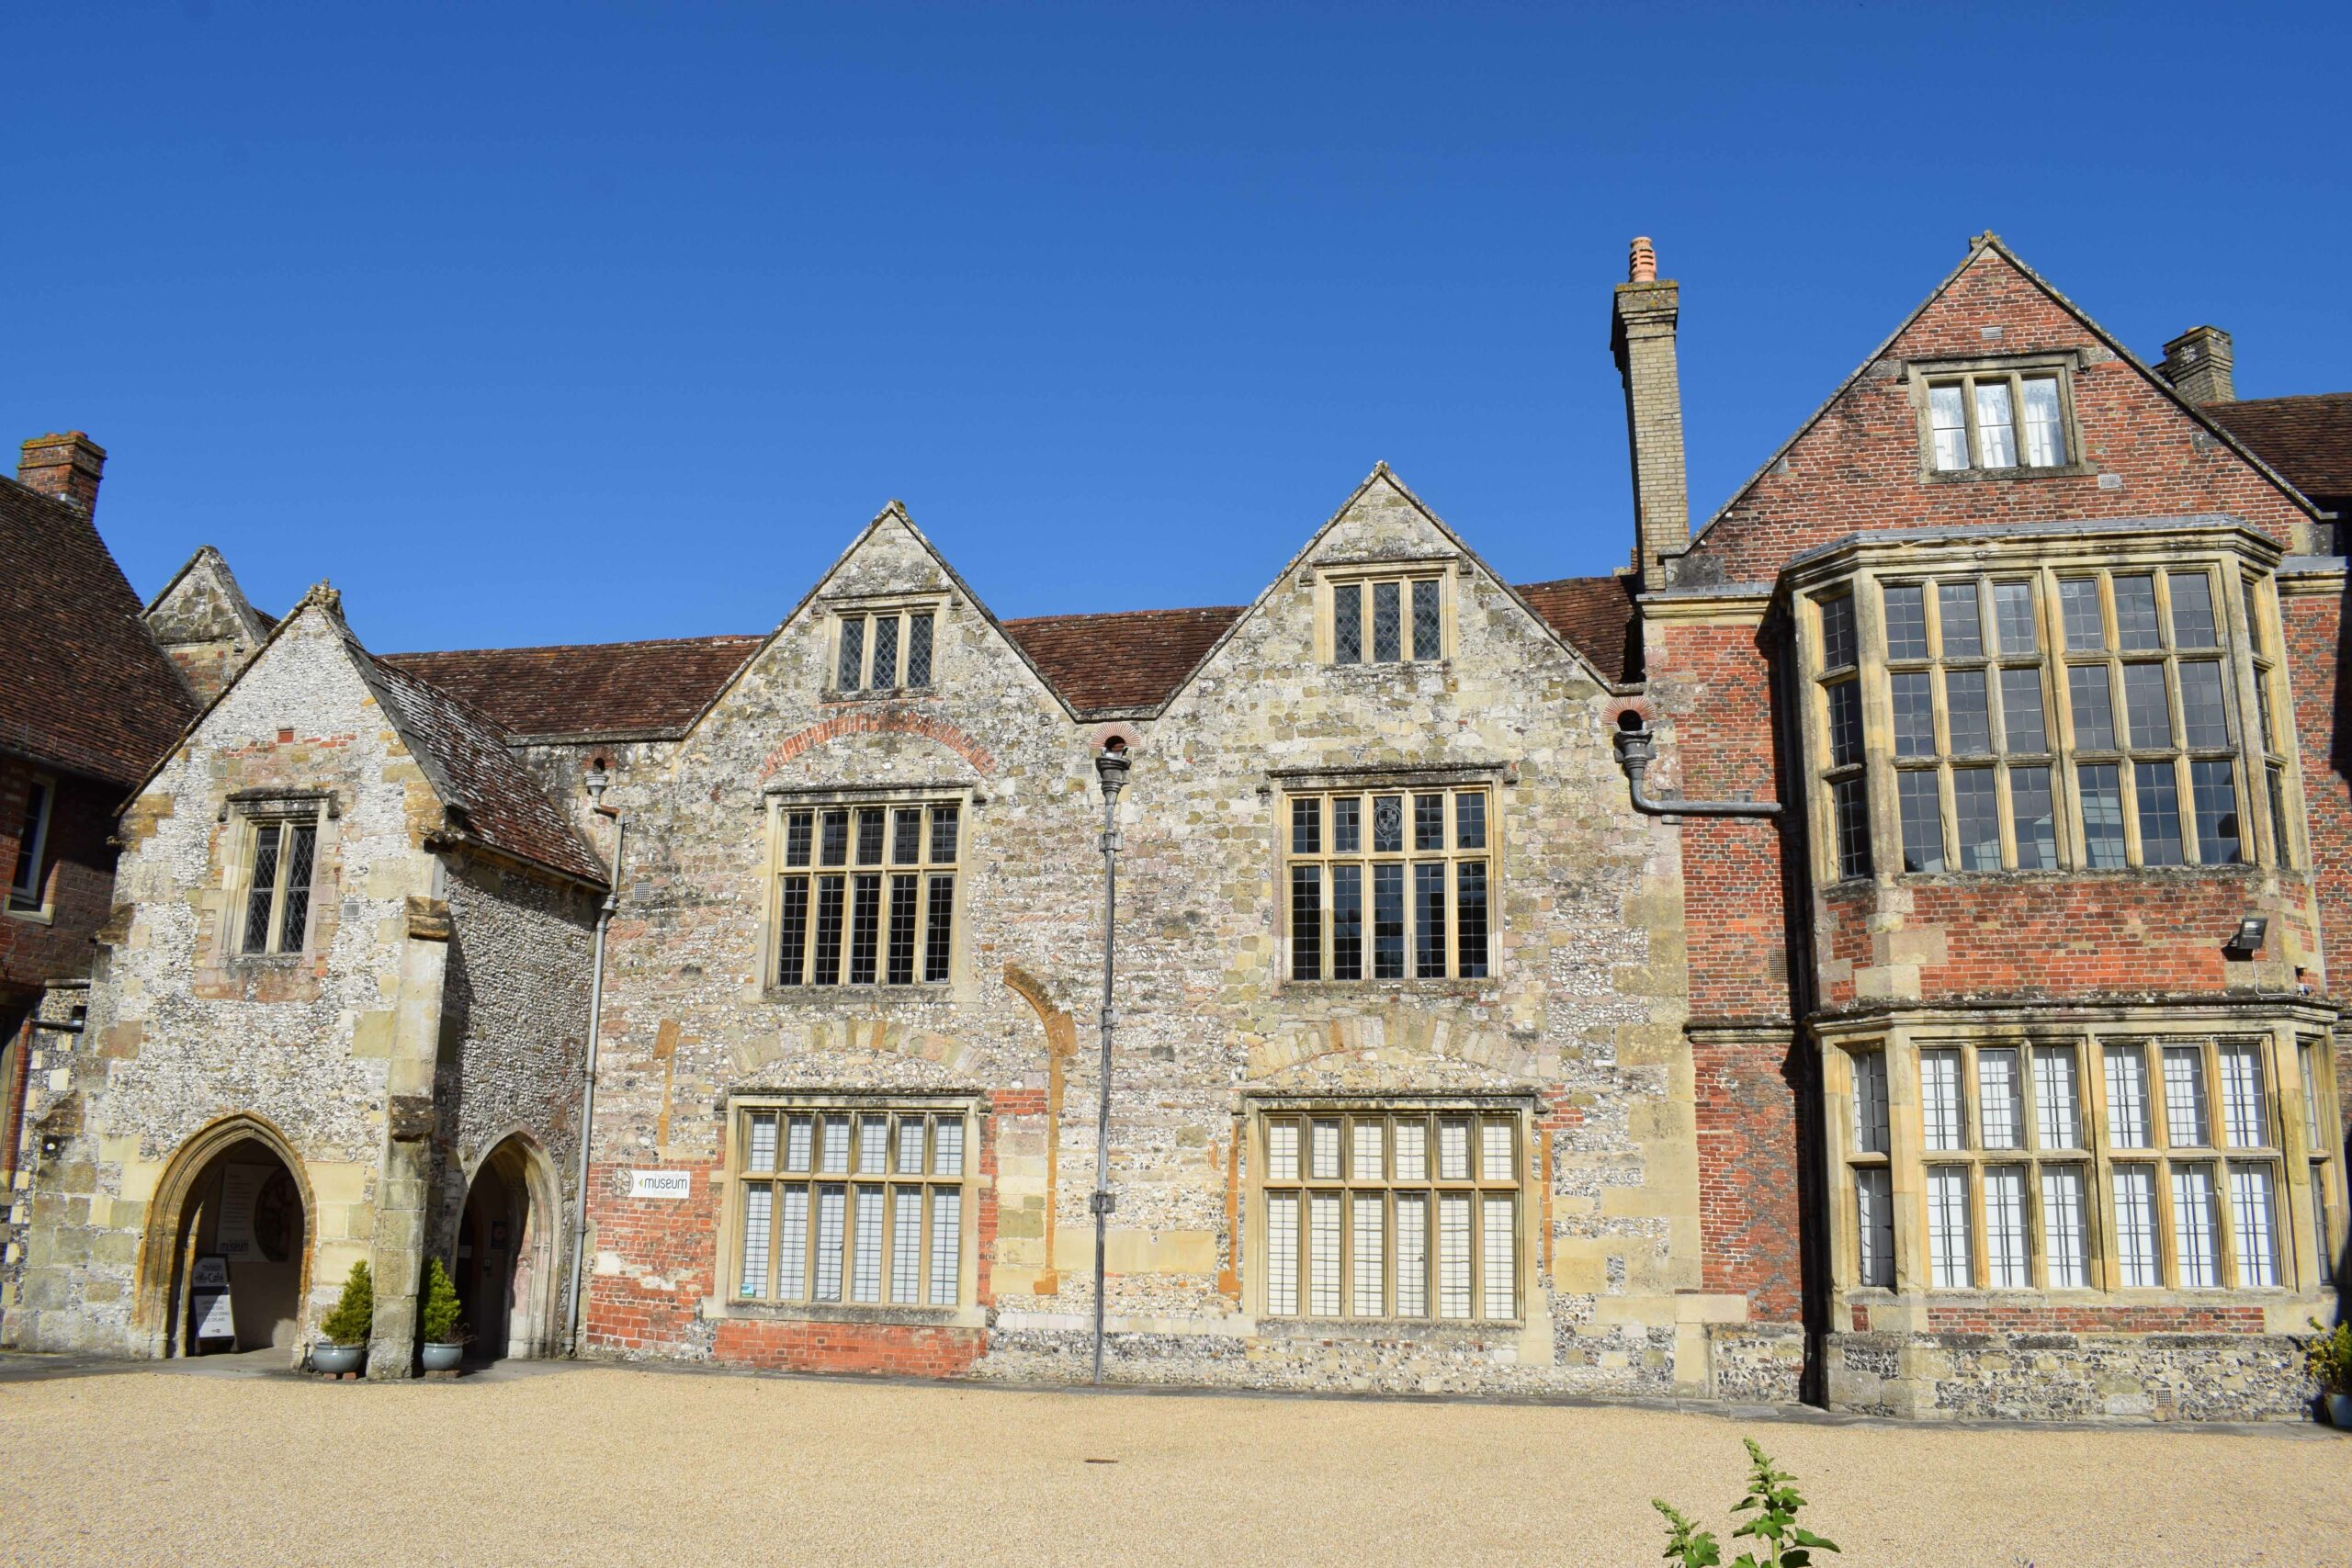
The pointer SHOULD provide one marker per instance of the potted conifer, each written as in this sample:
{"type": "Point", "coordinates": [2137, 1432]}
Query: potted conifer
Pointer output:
{"type": "Point", "coordinates": [346, 1328]}
{"type": "Point", "coordinates": [2329, 1360]}
{"type": "Point", "coordinates": [445, 1336]}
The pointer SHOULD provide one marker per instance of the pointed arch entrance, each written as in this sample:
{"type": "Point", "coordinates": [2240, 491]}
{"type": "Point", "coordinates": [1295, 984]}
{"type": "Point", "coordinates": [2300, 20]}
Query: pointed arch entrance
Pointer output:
{"type": "Point", "coordinates": [234, 1206]}
{"type": "Point", "coordinates": [507, 1253]}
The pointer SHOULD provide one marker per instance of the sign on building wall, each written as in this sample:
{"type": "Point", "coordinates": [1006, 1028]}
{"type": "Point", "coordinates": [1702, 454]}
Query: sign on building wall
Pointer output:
{"type": "Point", "coordinates": [661, 1183]}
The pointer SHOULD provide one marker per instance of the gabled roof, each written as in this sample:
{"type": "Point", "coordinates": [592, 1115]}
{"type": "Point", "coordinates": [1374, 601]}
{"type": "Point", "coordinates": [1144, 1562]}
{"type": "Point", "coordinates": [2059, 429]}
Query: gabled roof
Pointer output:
{"type": "Point", "coordinates": [1129, 659]}
{"type": "Point", "coordinates": [2309, 439]}
{"type": "Point", "coordinates": [587, 692]}
{"type": "Point", "coordinates": [83, 687]}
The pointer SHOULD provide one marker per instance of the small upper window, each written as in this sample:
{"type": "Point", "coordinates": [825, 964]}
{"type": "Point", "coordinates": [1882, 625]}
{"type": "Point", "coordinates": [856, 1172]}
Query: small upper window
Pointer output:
{"type": "Point", "coordinates": [1388, 620]}
{"type": "Point", "coordinates": [278, 886]}
{"type": "Point", "coordinates": [884, 650]}
{"type": "Point", "coordinates": [1997, 420]}
{"type": "Point", "coordinates": [29, 879]}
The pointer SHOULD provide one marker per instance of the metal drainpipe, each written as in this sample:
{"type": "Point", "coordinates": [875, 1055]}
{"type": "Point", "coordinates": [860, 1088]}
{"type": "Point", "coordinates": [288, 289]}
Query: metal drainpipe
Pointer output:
{"type": "Point", "coordinates": [1636, 751]}
{"type": "Point", "coordinates": [588, 1087]}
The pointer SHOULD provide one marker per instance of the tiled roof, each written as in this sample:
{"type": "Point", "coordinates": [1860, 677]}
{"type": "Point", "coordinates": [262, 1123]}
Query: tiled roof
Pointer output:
{"type": "Point", "coordinates": [2307, 439]}
{"type": "Point", "coordinates": [82, 685]}
{"type": "Point", "coordinates": [597, 690]}
{"type": "Point", "coordinates": [1128, 658]}
{"type": "Point", "coordinates": [502, 805]}
{"type": "Point", "coordinates": [1598, 617]}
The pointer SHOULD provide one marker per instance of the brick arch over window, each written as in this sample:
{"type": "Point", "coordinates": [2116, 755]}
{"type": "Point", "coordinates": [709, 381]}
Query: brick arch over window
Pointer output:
{"type": "Point", "coordinates": [162, 1262]}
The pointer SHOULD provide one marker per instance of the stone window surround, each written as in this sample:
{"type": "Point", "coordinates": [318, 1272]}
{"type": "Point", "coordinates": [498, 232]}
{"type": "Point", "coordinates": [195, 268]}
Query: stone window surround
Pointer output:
{"type": "Point", "coordinates": [2295, 1158]}
{"type": "Point", "coordinates": [245, 813]}
{"type": "Point", "coordinates": [1282, 783]}
{"type": "Point", "coordinates": [1919, 375]}
{"type": "Point", "coordinates": [44, 910]}
{"type": "Point", "coordinates": [1862, 563]}
{"type": "Point", "coordinates": [1258, 1106]}
{"type": "Point", "coordinates": [731, 1174]}
{"type": "Point", "coordinates": [1446, 570]}
{"type": "Point", "coordinates": [777, 797]}
{"type": "Point", "coordinates": [867, 608]}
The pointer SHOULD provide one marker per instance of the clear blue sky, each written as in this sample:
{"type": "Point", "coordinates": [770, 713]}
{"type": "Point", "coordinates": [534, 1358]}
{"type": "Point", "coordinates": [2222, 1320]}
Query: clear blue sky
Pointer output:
{"type": "Point", "coordinates": [535, 322]}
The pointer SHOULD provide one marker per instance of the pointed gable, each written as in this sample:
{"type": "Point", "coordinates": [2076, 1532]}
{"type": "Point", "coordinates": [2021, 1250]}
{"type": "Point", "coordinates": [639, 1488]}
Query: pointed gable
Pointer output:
{"type": "Point", "coordinates": [1857, 463]}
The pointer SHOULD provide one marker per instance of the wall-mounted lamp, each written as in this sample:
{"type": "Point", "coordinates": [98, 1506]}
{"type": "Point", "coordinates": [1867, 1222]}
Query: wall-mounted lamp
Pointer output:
{"type": "Point", "coordinates": [2246, 940]}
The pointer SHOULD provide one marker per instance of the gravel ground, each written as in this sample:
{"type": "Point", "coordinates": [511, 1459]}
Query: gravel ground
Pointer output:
{"type": "Point", "coordinates": [611, 1465]}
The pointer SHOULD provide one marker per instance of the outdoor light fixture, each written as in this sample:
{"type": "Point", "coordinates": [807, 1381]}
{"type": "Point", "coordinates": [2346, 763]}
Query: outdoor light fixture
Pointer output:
{"type": "Point", "coordinates": [2247, 939]}
{"type": "Point", "coordinates": [1111, 765]}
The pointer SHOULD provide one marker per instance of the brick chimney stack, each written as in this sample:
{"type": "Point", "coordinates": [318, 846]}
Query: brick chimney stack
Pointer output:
{"type": "Point", "coordinates": [2200, 365]}
{"type": "Point", "coordinates": [67, 466]}
{"type": "Point", "coordinates": [1641, 336]}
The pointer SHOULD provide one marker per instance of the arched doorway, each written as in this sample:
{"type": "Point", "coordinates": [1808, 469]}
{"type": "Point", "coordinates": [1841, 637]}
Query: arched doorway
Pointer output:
{"type": "Point", "coordinates": [227, 1260]}
{"type": "Point", "coordinates": [507, 1252]}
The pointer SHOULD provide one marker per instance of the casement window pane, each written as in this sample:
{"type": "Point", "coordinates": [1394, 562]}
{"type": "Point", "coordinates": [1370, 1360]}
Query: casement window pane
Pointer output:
{"type": "Point", "coordinates": [2092, 699]}
{"type": "Point", "coordinates": [1347, 623]}
{"type": "Point", "coordinates": [1387, 823]}
{"type": "Point", "coordinates": [1923, 822]}
{"type": "Point", "coordinates": [939, 933]}
{"type": "Point", "coordinates": [797, 833]}
{"type": "Point", "coordinates": [2064, 1228]}
{"type": "Point", "coordinates": [870, 825]}
{"type": "Point", "coordinates": [1387, 921]}
{"type": "Point", "coordinates": [948, 1146]}
{"type": "Point", "coordinates": [2192, 609]}
{"type": "Point", "coordinates": [2204, 723]}
{"type": "Point", "coordinates": [2101, 787]}
{"type": "Point", "coordinates": [1306, 922]}
{"type": "Point", "coordinates": [2057, 1098]}
{"type": "Point", "coordinates": [2160, 842]}
{"type": "Point", "coordinates": [1347, 922]}
{"type": "Point", "coordinates": [2214, 792]}
{"type": "Point", "coordinates": [1470, 907]}
{"type": "Point", "coordinates": [1956, 609]}
{"type": "Point", "coordinates": [902, 929]}
{"type": "Point", "coordinates": [1323, 1151]}
{"type": "Point", "coordinates": [1282, 1254]}
{"type": "Point", "coordinates": [792, 1246]}
{"type": "Point", "coordinates": [2045, 433]}
{"type": "Point", "coordinates": [1967, 718]}
{"type": "Point", "coordinates": [906, 1245]}
{"type": "Point", "coordinates": [1347, 825]}
{"type": "Point", "coordinates": [1429, 822]}
{"type": "Point", "coordinates": [1844, 723]}
{"type": "Point", "coordinates": [2007, 1265]}
{"type": "Point", "coordinates": [1950, 1265]}
{"type": "Point", "coordinates": [1426, 623]}
{"type": "Point", "coordinates": [1387, 623]}
{"type": "Point", "coordinates": [1412, 1150]}
{"type": "Point", "coordinates": [836, 1144]}
{"type": "Point", "coordinates": [1915, 713]}
{"type": "Point", "coordinates": [1364, 1163]}
{"type": "Point", "coordinates": [919, 648]}
{"type": "Point", "coordinates": [865, 928]}
{"type": "Point", "coordinates": [906, 835]}
{"type": "Point", "coordinates": [1453, 1149]}
{"type": "Point", "coordinates": [1454, 1255]}
{"type": "Point", "coordinates": [2245, 1120]}
{"type": "Point", "coordinates": [294, 922]}
{"type": "Point", "coordinates": [263, 887]}
{"type": "Point", "coordinates": [2023, 723]}
{"type": "Point", "coordinates": [1281, 1151]}
{"type": "Point", "coordinates": [831, 1202]}
{"type": "Point", "coordinates": [799, 1135]}
{"type": "Point", "coordinates": [1850, 806]}
{"type": "Point", "coordinates": [834, 848]}
{"type": "Point", "coordinates": [2035, 818]}
{"type": "Point", "coordinates": [2251, 1215]}
{"type": "Point", "coordinates": [2135, 613]}
{"type": "Point", "coordinates": [1996, 439]}
{"type": "Point", "coordinates": [1838, 632]}
{"type": "Point", "coordinates": [762, 1160]}
{"type": "Point", "coordinates": [1499, 1254]}
{"type": "Point", "coordinates": [1306, 825]}
{"type": "Point", "coordinates": [885, 651]}
{"type": "Point", "coordinates": [1941, 1125]}
{"type": "Point", "coordinates": [873, 1144]}
{"type": "Point", "coordinates": [756, 1200]}
{"type": "Point", "coordinates": [1948, 418]}
{"type": "Point", "coordinates": [2013, 617]}
{"type": "Point", "coordinates": [1976, 799]}
{"type": "Point", "coordinates": [2078, 611]}
{"type": "Point", "coordinates": [2147, 713]}
{"type": "Point", "coordinates": [851, 674]}
{"type": "Point", "coordinates": [1367, 1279]}
{"type": "Point", "coordinates": [1907, 621]}
{"type": "Point", "coordinates": [911, 1139]}
{"type": "Point", "coordinates": [2000, 1102]}
{"type": "Point", "coordinates": [2187, 1122]}
{"type": "Point", "coordinates": [1469, 820]}
{"type": "Point", "coordinates": [1429, 919]}
{"type": "Point", "coordinates": [1870, 1102]}
{"type": "Point", "coordinates": [946, 1246]}
{"type": "Point", "coordinates": [2127, 1097]}
{"type": "Point", "coordinates": [1875, 1228]}
{"type": "Point", "coordinates": [1323, 1254]}
{"type": "Point", "coordinates": [2135, 1227]}
{"type": "Point", "coordinates": [943, 833]}
{"type": "Point", "coordinates": [1495, 1151]}
{"type": "Point", "coordinates": [1412, 1254]}
{"type": "Point", "coordinates": [2196, 1227]}
{"type": "Point", "coordinates": [865, 1268]}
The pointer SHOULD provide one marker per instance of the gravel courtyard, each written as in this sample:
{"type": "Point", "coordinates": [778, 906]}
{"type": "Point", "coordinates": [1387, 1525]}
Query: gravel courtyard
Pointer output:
{"type": "Point", "coordinates": [611, 1465]}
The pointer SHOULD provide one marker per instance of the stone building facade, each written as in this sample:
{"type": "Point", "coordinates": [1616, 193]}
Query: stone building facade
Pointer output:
{"type": "Point", "coordinates": [1937, 1022]}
